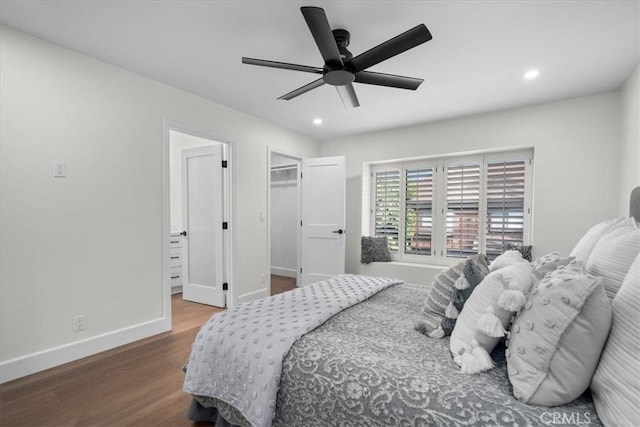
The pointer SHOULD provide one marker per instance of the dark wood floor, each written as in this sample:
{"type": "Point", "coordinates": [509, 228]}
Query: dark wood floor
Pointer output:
{"type": "Point", "coordinates": [139, 384]}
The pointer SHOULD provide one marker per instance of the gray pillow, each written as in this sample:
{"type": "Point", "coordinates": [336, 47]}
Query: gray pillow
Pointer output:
{"type": "Point", "coordinates": [448, 294]}
{"type": "Point", "coordinates": [556, 341]}
{"type": "Point", "coordinates": [374, 249]}
{"type": "Point", "coordinates": [525, 250]}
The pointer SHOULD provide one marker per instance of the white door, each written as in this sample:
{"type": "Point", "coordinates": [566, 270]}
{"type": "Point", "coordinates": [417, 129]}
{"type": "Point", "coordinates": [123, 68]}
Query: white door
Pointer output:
{"type": "Point", "coordinates": [323, 218]}
{"type": "Point", "coordinates": [202, 216]}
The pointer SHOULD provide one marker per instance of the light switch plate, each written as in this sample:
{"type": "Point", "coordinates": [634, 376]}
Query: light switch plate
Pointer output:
{"type": "Point", "coordinates": [59, 169]}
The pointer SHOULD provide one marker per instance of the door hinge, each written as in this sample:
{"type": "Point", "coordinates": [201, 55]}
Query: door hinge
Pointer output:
{"type": "Point", "coordinates": [224, 164]}
{"type": "Point", "coordinates": [300, 175]}
{"type": "Point", "coordinates": [300, 270]}
{"type": "Point", "coordinates": [225, 286]}
{"type": "Point", "coordinates": [225, 225]}
{"type": "Point", "coordinates": [300, 223]}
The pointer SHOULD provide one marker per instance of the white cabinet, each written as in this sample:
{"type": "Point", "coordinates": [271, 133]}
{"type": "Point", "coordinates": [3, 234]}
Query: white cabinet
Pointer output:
{"type": "Point", "coordinates": [175, 262]}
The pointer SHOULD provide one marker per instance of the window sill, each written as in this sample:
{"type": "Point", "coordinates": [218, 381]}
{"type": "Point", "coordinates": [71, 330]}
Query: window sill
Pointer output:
{"type": "Point", "coordinates": [422, 274]}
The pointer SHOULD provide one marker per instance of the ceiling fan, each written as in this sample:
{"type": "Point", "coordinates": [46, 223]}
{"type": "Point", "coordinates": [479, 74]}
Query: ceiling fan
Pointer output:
{"type": "Point", "coordinates": [341, 68]}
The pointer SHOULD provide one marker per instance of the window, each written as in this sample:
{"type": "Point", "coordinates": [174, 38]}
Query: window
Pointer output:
{"type": "Point", "coordinates": [440, 210]}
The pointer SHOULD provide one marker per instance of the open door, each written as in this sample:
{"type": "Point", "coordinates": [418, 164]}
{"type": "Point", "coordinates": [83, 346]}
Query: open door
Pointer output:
{"type": "Point", "coordinates": [202, 216]}
{"type": "Point", "coordinates": [323, 218]}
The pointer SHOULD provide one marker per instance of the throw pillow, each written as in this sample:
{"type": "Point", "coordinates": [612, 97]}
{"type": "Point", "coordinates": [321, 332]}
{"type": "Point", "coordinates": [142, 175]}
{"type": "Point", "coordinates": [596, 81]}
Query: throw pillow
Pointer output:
{"type": "Point", "coordinates": [525, 250]}
{"type": "Point", "coordinates": [556, 341]}
{"type": "Point", "coordinates": [548, 263]}
{"type": "Point", "coordinates": [585, 245]}
{"type": "Point", "coordinates": [487, 314]}
{"type": "Point", "coordinates": [374, 249]}
{"type": "Point", "coordinates": [448, 294]}
{"type": "Point", "coordinates": [616, 384]}
{"type": "Point", "coordinates": [614, 253]}
{"type": "Point", "coordinates": [507, 258]}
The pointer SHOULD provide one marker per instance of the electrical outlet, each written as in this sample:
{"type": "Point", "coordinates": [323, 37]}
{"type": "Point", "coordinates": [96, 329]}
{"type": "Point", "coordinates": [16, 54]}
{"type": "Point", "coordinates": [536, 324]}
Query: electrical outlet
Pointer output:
{"type": "Point", "coordinates": [59, 169]}
{"type": "Point", "coordinates": [79, 323]}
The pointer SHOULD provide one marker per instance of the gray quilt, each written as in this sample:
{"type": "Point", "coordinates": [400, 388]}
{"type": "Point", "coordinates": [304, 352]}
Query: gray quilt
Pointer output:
{"type": "Point", "coordinates": [367, 366]}
{"type": "Point", "coordinates": [237, 355]}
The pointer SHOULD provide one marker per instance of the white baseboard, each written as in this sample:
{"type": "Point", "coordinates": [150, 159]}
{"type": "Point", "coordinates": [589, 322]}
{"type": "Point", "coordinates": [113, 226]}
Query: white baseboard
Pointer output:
{"type": "Point", "coordinates": [283, 271]}
{"type": "Point", "coordinates": [56, 356]}
{"type": "Point", "coordinates": [252, 296]}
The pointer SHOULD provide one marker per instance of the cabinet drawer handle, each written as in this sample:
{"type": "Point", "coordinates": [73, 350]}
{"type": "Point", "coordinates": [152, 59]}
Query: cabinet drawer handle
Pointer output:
{"type": "Point", "coordinates": [175, 257]}
{"type": "Point", "coordinates": [175, 241]}
{"type": "Point", "coordinates": [175, 277]}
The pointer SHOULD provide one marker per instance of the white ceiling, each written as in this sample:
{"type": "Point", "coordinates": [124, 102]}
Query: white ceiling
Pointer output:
{"type": "Point", "coordinates": [474, 64]}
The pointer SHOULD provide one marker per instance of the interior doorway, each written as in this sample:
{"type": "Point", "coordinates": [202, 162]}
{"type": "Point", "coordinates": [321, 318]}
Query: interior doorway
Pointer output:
{"type": "Point", "coordinates": [197, 177]}
{"type": "Point", "coordinates": [284, 220]}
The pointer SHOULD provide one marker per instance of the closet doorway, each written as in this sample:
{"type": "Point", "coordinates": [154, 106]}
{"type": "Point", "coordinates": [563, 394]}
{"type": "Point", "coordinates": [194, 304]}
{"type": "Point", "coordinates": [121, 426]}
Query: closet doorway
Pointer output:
{"type": "Point", "coordinates": [284, 220]}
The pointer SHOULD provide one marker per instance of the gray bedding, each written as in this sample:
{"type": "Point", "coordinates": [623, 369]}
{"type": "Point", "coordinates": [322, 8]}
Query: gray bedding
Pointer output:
{"type": "Point", "coordinates": [367, 366]}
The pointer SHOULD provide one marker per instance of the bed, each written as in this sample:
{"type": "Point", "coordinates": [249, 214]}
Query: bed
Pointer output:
{"type": "Point", "coordinates": [360, 363]}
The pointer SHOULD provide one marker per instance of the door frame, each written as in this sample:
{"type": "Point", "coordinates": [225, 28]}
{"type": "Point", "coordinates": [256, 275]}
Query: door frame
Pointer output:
{"type": "Point", "coordinates": [229, 237]}
{"type": "Point", "coordinates": [298, 160]}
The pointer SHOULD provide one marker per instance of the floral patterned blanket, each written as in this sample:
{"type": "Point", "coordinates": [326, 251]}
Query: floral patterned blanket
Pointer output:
{"type": "Point", "coordinates": [367, 366]}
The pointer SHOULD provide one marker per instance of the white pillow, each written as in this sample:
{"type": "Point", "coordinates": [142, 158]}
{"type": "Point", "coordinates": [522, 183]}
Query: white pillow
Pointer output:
{"type": "Point", "coordinates": [614, 254]}
{"type": "Point", "coordinates": [616, 384]}
{"type": "Point", "coordinates": [506, 259]}
{"type": "Point", "coordinates": [585, 245]}
{"type": "Point", "coordinates": [486, 315]}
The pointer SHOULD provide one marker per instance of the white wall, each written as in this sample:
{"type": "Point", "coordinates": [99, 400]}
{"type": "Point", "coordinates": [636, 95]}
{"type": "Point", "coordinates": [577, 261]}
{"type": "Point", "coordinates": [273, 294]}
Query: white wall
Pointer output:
{"type": "Point", "coordinates": [91, 243]}
{"type": "Point", "coordinates": [577, 153]}
{"type": "Point", "coordinates": [630, 152]}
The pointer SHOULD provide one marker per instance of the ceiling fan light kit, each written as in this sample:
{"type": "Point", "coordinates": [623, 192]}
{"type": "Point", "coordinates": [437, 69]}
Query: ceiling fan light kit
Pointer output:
{"type": "Point", "coordinates": [341, 69]}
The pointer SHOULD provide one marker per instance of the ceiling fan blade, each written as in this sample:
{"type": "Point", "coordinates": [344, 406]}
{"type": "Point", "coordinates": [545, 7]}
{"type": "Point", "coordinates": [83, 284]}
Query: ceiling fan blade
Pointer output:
{"type": "Point", "coordinates": [321, 31]}
{"type": "Point", "coordinates": [348, 95]}
{"type": "Point", "coordinates": [391, 80]}
{"type": "Point", "coordinates": [304, 89]}
{"type": "Point", "coordinates": [392, 47]}
{"type": "Point", "coordinates": [285, 65]}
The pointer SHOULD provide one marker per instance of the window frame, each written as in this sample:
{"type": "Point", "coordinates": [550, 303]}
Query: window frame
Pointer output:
{"type": "Point", "coordinates": [439, 202]}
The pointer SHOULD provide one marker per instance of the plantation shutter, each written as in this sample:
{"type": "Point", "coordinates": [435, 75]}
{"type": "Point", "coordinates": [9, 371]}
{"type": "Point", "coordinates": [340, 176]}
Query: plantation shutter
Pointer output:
{"type": "Point", "coordinates": [418, 221]}
{"type": "Point", "coordinates": [387, 206]}
{"type": "Point", "coordinates": [505, 205]}
{"type": "Point", "coordinates": [463, 209]}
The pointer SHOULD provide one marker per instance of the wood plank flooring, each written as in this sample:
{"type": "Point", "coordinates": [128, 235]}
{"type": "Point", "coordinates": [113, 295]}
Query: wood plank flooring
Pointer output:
{"type": "Point", "coordinates": [139, 384]}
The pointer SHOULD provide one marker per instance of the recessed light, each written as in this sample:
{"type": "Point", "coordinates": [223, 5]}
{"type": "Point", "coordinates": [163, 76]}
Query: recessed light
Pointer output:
{"type": "Point", "coordinates": [317, 121]}
{"type": "Point", "coordinates": [531, 74]}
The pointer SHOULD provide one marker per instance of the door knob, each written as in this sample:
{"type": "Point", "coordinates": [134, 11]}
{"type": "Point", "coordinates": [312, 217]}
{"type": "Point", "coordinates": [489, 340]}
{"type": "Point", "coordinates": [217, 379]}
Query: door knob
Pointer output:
{"type": "Point", "coordinates": [184, 233]}
{"type": "Point", "coordinates": [339, 231]}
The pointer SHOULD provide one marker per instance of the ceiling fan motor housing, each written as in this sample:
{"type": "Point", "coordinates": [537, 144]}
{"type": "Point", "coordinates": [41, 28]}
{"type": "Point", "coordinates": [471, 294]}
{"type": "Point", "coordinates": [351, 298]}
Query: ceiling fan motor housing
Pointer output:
{"type": "Point", "coordinates": [339, 75]}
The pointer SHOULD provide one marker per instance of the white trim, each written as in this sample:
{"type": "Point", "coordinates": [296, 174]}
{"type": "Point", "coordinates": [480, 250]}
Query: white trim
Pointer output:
{"type": "Point", "coordinates": [252, 296]}
{"type": "Point", "coordinates": [52, 357]}
{"type": "Point", "coordinates": [283, 271]}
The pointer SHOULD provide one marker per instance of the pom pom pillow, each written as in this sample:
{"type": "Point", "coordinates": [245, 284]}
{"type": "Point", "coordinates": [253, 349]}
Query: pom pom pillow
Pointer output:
{"type": "Point", "coordinates": [507, 258]}
{"type": "Point", "coordinates": [487, 314]}
{"type": "Point", "coordinates": [556, 341]}
{"type": "Point", "coordinates": [616, 384]}
{"type": "Point", "coordinates": [448, 294]}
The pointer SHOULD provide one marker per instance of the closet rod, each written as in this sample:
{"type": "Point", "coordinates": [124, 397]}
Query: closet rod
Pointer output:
{"type": "Point", "coordinates": [284, 167]}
